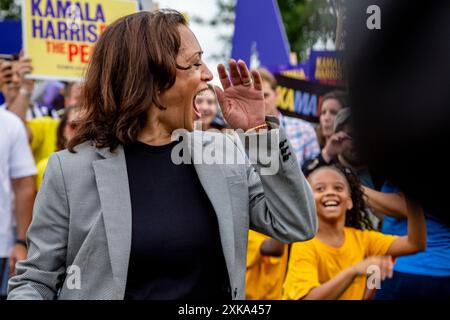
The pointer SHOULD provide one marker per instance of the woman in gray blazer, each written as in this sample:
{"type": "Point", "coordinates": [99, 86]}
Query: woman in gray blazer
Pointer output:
{"type": "Point", "coordinates": [142, 206]}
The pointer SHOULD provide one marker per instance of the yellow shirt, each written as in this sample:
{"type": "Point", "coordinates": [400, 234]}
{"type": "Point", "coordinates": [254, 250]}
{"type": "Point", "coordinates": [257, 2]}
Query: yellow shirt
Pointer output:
{"type": "Point", "coordinates": [312, 263]}
{"type": "Point", "coordinates": [43, 137]}
{"type": "Point", "coordinates": [41, 169]}
{"type": "Point", "coordinates": [265, 275]}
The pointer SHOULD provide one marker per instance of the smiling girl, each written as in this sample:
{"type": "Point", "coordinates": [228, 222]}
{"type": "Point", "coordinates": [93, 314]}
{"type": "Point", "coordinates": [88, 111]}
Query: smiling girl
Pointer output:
{"type": "Point", "coordinates": [335, 263]}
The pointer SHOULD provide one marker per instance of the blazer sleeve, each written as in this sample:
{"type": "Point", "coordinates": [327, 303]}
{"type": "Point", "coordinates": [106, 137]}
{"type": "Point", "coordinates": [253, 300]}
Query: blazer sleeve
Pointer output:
{"type": "Point", "coordinates": [281, 202]}
{"type": "Point", "coordinates": [41, 275]}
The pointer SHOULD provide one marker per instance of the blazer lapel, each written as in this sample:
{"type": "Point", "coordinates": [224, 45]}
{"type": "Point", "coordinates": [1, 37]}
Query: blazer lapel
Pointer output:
{"type": "Point", "coordinates": [113, 188]}
{"type": "Point", "coordinates": [214, 182]}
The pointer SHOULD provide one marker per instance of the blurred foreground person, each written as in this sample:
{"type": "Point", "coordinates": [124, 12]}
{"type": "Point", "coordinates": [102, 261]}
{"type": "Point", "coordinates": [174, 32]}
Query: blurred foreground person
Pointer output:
{"type": "Point", "coordinates": [121, 216]}
{"type": "Point", "coordinates": [17, 194]}
{"type": "Point", "coordinates": [399, 92]}
{"type": "Point", "coordinates": [424, 275]}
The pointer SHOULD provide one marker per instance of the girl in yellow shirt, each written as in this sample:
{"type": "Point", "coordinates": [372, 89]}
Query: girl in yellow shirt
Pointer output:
{"type": "Point", "coordinates": [336, 262]}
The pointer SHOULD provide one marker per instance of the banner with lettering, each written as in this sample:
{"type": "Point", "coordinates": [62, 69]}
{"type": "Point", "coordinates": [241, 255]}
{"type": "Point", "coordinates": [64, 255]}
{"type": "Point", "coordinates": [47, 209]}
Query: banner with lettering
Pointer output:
{"type": "Point", "coordinates": [326, 67]}
{"type": "Point", "coordinates": [301, 98]}
{"type": "Point", "coordinates": [58, 35]}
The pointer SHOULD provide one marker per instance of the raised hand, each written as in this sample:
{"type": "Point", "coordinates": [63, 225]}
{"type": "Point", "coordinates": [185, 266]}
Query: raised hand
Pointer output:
{"type": "Point", "coordinates": [335, 145]}
{"type": "Point", "coordinates": [24, 67]}
{"type": "Point", "coordinates": [242, 100]}
{"type": "Point", "coordinates": [5, 72]}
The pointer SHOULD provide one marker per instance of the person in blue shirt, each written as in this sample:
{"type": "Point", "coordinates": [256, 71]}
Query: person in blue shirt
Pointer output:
{"type": "Point", "coordinates": [424, 275]}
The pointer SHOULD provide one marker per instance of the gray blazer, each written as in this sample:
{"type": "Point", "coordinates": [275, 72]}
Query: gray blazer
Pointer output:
{"type": "Point", "coordinates": [80, 237]}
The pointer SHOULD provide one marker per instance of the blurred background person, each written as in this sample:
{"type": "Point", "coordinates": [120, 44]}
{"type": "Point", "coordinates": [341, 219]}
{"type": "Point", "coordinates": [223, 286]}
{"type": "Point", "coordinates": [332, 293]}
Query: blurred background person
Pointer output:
{"type": "Point", "coordinates": [17, 192]}
{"type": "Point", "coordinates": [267, 260]}
{"type": "Point", "coordinates": [206, 103]}
{"type": "Point", "coordinates": [65, 131]}
{"type": "Point", "coordinates": [72, 94]}
{"type": "Point", "coordinates": [42, 131]}
{"type": "Point", "coordinates": [17, 90]}
{"type": "Point", "coordinates": [339, 148]}
{"type": "Point", "coordinates": [331, 103]}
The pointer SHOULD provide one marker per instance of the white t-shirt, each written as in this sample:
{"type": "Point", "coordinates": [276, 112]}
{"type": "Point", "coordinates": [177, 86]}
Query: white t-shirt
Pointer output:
{"type": "Point", "coordinates": [16, 161]}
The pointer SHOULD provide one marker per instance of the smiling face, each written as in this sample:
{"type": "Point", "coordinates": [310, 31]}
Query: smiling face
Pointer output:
{"type": "Point", "coordinates": [206, 104]}
{"type": "Point", "coordinates": [331, 194]}
{"type": "Point", "coordinates": [191, 78]}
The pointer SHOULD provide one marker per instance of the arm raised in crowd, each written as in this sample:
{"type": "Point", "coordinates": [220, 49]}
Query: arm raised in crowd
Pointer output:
{"type": "Point", "coordinates": [21, 103]}
{"type": "Point", "coordinates": [398, 206]}
{"type": "Point", "coordinates": [391, 204]}
{"type": "Point", "coordinates": [416, 240]}
{"type": "Point", "coordinates": [5, 73]}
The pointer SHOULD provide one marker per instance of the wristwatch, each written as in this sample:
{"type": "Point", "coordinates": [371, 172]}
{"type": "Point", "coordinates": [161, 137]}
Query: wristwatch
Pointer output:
{"type": "Point", "coordinates": [22, 242]}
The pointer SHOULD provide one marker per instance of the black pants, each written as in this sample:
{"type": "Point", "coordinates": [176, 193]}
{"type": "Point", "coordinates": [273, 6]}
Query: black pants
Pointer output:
{"type": "Point", "coordinates": [4, 276]}
{"type": "Point", "coordinates": [411, 286]}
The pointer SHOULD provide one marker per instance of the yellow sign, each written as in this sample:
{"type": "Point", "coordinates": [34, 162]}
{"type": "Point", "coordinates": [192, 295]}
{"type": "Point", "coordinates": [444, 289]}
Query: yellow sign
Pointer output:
{"type": "Point", "coordinates": [58, 35]}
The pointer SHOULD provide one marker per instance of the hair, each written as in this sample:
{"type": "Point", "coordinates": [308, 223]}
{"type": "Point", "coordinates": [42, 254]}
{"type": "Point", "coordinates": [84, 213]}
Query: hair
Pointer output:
{"type": "Point", "coordinates": [61, 141]}
{"type": "Point", "coordinates": [341, 97]}
{"type": "Point", "coordinates": [132, 62]}
{"type": "Point", "coordinates": [357, 217]}
{"type": "Point", "coordinates": [267, 76]}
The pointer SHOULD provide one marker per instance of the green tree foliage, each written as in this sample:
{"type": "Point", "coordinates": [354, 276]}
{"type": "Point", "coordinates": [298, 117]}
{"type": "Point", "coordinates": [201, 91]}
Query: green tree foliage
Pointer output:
{"type": "Point", "coordinates": [308, 21]}
{"type": "Point", "coordinates": [9, 10]}
{"type": "Point", "coordinates": [305, 22]}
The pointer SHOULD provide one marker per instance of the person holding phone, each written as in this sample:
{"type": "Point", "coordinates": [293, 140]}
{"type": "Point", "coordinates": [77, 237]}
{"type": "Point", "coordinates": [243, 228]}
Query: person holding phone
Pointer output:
{"type": "Point", "coordinates": [17, 89]}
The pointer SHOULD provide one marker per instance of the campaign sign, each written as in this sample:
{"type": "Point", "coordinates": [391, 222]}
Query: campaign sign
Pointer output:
{"type": "Point", "coordinates": [58, 35]}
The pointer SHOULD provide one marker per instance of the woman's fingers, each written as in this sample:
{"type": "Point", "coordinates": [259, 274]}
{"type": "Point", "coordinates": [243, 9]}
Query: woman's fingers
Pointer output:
{"type": "Point", "coordinates": [234, 72]}
{"type": "Point", "coordinates": [239, 75]}
{"type": "Point", "coordinates": [257, 80]}
{"type": "Point", "coordinates": [245, 73]}
{"type": "Point", "coordinates": [223, 76]}
{"type": "Point", "coordinates": [221, 99]}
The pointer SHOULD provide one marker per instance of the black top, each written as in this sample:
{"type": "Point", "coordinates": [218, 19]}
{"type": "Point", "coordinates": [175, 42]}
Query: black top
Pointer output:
{"type": "Point", "coordinates": [176, 251]}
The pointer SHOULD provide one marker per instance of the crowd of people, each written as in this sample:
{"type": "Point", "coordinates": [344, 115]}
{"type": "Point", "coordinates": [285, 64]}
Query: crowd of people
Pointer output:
{"type": "Point", "coordinates": [95, 165]}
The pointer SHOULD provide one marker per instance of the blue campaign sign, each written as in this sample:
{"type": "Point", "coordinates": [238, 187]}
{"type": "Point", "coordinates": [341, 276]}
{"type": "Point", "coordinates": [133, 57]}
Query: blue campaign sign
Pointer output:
{"type": "Point", "coordinates": [11, 36]}
{"type": "Point", "coordinates": [258, 27]}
